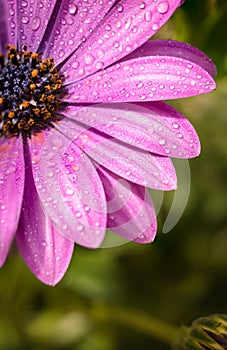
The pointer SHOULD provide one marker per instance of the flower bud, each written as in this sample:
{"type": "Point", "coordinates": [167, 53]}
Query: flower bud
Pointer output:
{"type": "Point", "coordinates": [207, 333]}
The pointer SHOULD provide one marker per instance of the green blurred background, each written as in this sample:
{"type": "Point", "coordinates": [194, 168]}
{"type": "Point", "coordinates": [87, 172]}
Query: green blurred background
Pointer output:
{"type": "Point", "coordinates": [180, 277]}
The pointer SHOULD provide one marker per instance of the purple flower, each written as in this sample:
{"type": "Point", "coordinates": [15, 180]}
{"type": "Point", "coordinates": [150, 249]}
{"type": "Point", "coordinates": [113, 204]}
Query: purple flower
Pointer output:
{"type": "Point", "coordinates": [82, 131]}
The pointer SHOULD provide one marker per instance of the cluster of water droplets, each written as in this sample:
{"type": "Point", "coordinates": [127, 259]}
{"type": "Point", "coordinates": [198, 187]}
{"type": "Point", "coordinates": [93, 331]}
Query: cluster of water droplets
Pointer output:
{"type": "Point", "coordinates": [125, 28]}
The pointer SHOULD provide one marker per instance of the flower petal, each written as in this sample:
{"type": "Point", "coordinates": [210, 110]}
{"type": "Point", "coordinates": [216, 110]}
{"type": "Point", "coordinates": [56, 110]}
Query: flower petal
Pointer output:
{"type": "Point", "coordinates": [70, 189]}
{"type": "Point", "coordinates": [131, 213]}
{"type": "Point", "coordinates": [127, 161]}
{"type": "Point", "coordinates": [33, 18]}
{"type": "Point", "coordinates": [175, 48]}
{"type": "Point", "coordinates": [149, 78]}
{"type": "Point", "coordinates": [74, 22]}
{"type": "Point", "coordinates": [152, 126]}
{"type": "Point", "coordinates": [11, 191]}
{"type": "Point", "coordinates": [7, 24]}
{"type": "Point", "coordinates": [126, 27]}
{"type": "Point", "coordinates": [47, 253]}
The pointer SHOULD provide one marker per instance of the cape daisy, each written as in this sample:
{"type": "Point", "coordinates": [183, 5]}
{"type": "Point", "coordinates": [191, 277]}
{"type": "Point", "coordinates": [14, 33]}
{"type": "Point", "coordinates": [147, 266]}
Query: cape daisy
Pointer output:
{"type": "Point", "coordinates": [76, 156]}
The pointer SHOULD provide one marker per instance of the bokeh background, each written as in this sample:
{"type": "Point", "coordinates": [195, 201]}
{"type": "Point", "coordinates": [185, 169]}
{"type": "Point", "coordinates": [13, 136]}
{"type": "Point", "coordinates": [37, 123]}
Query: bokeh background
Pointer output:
{"type": "Point", "coordinates": [178, 278]}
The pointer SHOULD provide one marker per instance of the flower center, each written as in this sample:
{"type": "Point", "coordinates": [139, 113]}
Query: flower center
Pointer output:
{"type": "Point", "coordinates": [30, 93]}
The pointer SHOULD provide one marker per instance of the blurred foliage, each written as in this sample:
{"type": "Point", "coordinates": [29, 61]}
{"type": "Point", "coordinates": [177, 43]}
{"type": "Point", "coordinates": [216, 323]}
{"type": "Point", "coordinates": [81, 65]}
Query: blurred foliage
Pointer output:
{"type": "Point", "coordinates": [180, 277]}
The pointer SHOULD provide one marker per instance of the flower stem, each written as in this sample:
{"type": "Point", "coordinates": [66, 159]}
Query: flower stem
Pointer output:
{"type": "Point", "coordinates": [146, 324]}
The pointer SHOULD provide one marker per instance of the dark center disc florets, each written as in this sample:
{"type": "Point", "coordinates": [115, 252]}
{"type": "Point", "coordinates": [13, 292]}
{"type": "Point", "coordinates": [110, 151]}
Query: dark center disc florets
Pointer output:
{"type": "Point", "coordinates": [30, 93]}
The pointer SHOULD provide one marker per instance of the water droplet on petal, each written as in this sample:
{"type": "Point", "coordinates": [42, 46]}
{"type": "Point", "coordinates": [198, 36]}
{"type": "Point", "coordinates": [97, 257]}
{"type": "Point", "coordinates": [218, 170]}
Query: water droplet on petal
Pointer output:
{"type": "Point", "coordinates": [25, 19]}
{"type": "Point", "coordinates": [36, 21]}
{"type": "Point", "coordinates": [24, 3]}
{"type": "Point", "coordinates": [142, 5]}
{"type": "Point", "coordinates": [163, 7]}
{"type": "Point", "coordinates": [80, 228]}
{"type": "Point", "coordinates": [44, 244]}
{"type": "Point", "coordinates": [119, 8]}
{"type": "Point", "coordinates": [148, 16]}
{"type": "Point", "coordinates": [161, 142]}
{"type": "Point", "coordinates": [155, 26]}
{"type": "Point", "coordinates": [72, 9]}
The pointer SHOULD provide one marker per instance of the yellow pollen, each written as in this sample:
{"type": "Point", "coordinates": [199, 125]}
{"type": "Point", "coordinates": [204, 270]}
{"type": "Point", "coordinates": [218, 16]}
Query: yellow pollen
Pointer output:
{"type": "Point", "coordinates": [38, 95]}
{"type": "Point", "coordinates": [25, 104]}
{"type": "Point", "coordinates": [34, 73]}
{"type": "Point", "coordinates": [32, 86]}
{"type": "Point", "coordinates": [11, 115]}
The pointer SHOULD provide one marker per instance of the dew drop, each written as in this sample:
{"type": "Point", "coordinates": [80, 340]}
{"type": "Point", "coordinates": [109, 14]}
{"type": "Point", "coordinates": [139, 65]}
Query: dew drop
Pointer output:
{"type": "Point", "coordinates": [64, 227]}
{"type": "Point", "coordinates": [155, 26]}
{"type": "Point", "coordinates": [163, 7]}
{"type": "Point", "coordinates": [75, 64]}
{"type": "Point", "coordinates": [89, 59]}
{"type": "Point", "coordinates": [36, 21]}
{"type": "Point", "coordinates": [73, 9]}
{"type": "Point", "coordinates": [142, 5]}
{"type": "Point", "coordinates": [99, 65]}
{"type": "Point", "coordinates": [161, 142]}
{"type": "Point", "coordinates": [128, 23]}
{"type": "Point", "coordinates": [148, 16]}
{"type": "Point", "coordinates": [180, 135]}
{"type": "Point", "coordinates": [192, 83]}
{"type": "Point", "coordinates": [61, 53]}
{"type": "Point", "coordinates": [119, 8]}
{"type": "Point", "coordinates": [25, 19]}
{"type": "Point", "coordinates": [69, 191]}
{"type": "Point", "coordinates": [24, 3]}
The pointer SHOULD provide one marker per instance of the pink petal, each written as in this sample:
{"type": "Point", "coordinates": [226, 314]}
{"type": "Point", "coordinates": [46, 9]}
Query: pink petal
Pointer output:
{"type": "Point", "coordinates": [47, 253]}
{"type": "Point", "coordinates": [33, 18]}
{"type": "Point", "coordinates": [8, 25]}
{"type": "Point", "coordinates": [175, 48]}
{"type": "Point", "coordinates": [74, 23]}
{"type": "Point", "coordinates": [126, 27]}
{"type": "Point", "coordinates": [155, 126]}
{"type": "Point", "coordinates": [131, 213]}
{"type": "Point", "coordinates": [127, 161]}
{"type": "Point", "coordinates": [11, 191]}
{"type": "Point", "coordinates": [149, 78]}
{"type": "Point", "coordinates": [70, 189]}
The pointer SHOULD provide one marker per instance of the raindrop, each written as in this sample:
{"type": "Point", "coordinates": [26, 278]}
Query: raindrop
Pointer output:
{"type": "Point", "coordinates": [119, 8]}
{"type": "Point", "coordinates": [75, 64]}
{"type": "Point", "coordinates": [161, 142]}
{"type": "Point", "coordinates": [24, 3]}
{"type": "Point", "coordinates": [72, 9]}
{"type": "Point", "coordinates": [148, 16]}
{"type": "Point", "coordinates": [163, 7]}
{"type": "Point", "coordinates": [69, 191]}
{"type": "Point", "coordinates": [128, 23]}
{"type": "Point", "coordinates": [61, 53]}
{"type": "Point", "coordinates": [99, 65]}
{"type": "Point", "coordinates": [25, 19]}
{"type": "Point", "coordinates": [64, 227]}
{"type": "Point", "coordinates": [89, 59]}
{"type": "Point", "coordinates": [36, 21]}
{"type": "Point", "coordinates": [142, 5]}
{"type": "Point", "coordinates": [155, 26]}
